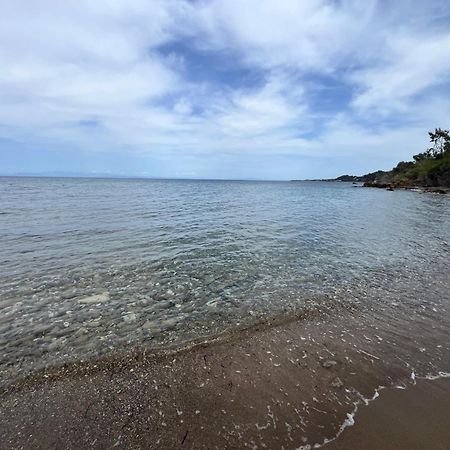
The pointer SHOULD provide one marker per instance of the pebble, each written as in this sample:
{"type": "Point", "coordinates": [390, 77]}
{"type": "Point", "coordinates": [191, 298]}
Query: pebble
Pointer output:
{"type": "Point", "coordinates": [68, 294]}
{"type": "Point", "coordinates": [151, 327]}
{"type": "Point", "coordinates": [169, 324]}
{"type": "Point", "coordinates": [130, 317]}
{"type": "Point", "coordinates": [98, 298]}
{"type": "Point", "coordinates": [337, 383]}
{"type": "Point", "coordinates": [329, 363]}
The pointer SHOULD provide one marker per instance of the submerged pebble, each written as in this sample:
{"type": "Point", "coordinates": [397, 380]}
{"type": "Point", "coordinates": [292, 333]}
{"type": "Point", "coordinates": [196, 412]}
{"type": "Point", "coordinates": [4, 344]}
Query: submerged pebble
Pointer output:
{"type": "Point", "coordinates": [98, 298]}
{"type": "Point", "coordinates": [150, 271]}
{"type": "Point", "coordinates": [130, 317]}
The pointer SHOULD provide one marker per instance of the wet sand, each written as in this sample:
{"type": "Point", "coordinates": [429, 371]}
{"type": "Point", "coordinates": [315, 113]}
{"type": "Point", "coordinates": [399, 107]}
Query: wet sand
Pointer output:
{"type": "Point", "coordinates": [277, 385]}
{"type": "Point", "coordinates": [413, 419]}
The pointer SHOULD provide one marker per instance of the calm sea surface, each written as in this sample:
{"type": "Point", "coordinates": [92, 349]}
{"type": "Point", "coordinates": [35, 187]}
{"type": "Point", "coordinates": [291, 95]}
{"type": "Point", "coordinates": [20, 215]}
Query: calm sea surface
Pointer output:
{"type": "Point", "coordinates": [90, 266]}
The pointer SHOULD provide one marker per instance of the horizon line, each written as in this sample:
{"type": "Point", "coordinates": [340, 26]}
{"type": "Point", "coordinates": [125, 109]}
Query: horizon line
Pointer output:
{"type": "Point", "coordinates": [154, 178]}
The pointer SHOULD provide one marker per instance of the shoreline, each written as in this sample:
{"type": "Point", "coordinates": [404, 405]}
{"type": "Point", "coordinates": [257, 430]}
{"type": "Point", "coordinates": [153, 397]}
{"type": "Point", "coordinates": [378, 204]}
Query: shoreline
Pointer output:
{"type": "Point", "coordinates": [415, 418]}
{"type": "Point", "coordinates": [393, 187]}
{"type": "Point", "coordinates": [290, 384]}
{"type": "Point", "coordinates": [126, 359]}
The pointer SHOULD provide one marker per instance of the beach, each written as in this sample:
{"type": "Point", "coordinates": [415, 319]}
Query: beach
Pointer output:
{"type": "Point", "coordinates": [297, 383]}
{"type": "Point", "coordinates": [413, 419]}
{"type": "Point", "coordinates": [225, 225]}
{"type": "Point", "coordinates": [208, 314]}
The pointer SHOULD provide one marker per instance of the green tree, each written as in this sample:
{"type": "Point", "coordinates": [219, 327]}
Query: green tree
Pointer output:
{"type": "Point", "coordinates": [402, 166]}
{"type": "Point", "coordinates": [441, 142]}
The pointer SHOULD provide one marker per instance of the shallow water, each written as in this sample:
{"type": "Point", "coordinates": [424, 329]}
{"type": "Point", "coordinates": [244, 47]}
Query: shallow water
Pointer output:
{"type": "Point", "coordinates": [90, 266]}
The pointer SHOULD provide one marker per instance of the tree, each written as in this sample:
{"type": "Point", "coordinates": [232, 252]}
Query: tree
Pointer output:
{"type": "Point", "coordinates": [441, 142]}
{"type": "Point", "coordinates": [422, 156]}
{"type": "Point", "coordinates": [402, 166]}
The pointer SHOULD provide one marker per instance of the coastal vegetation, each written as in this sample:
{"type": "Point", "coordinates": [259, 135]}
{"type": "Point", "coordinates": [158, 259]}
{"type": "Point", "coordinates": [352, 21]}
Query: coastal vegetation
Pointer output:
{"type": "Point", "coordinates": [430, 168]}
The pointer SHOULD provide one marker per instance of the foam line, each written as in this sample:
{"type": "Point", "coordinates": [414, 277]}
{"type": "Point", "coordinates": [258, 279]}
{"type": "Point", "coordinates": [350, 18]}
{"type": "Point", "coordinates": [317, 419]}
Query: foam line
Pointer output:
{"type": "Point", "coordinates": [350, 419]}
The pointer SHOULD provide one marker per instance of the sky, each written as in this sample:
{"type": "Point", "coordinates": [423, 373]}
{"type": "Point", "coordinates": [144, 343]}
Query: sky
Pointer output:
{"type": "Point", "coordinates": [245, 89]}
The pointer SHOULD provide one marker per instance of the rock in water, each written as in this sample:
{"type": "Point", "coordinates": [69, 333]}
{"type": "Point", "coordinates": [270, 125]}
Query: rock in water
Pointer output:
{"type": "Point", "coordinates": [130, 317]}
{"type": "Point", "coordinates": [98, 298]}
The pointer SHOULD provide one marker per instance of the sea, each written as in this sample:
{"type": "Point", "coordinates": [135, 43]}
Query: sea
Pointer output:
{"type": "Point", "coordinates": [91, 267]}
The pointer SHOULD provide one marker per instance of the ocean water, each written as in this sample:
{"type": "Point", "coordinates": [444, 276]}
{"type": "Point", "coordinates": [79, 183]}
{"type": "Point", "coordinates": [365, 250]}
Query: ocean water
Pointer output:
{"type": "Point", "coordinates": [94, 266]}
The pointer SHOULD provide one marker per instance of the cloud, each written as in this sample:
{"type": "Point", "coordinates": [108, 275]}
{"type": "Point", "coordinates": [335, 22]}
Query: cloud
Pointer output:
{"type": "Point", "coordinates": [308, 35]}
{"type": "Point", "coordinates": [410, 65]}
{"type": "Point", "coordinates": [260, 112]}
{"type": "Point", "coordinates": [193, 83]}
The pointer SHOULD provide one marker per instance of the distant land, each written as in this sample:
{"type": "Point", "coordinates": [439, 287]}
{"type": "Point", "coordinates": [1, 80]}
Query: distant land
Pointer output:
{"type": "Point", "coordinates": [429, 170]}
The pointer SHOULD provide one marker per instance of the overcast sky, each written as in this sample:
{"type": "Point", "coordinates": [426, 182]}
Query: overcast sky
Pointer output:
{"type": "Point", "coordinates": [267, 89]}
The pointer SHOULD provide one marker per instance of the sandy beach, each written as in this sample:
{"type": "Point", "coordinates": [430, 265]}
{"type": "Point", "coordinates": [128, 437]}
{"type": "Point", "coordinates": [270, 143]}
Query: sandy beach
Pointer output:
{"type": "Point", "coordinates": [412, 419]}
{"type": "Point", "coordinates": [225, 225]}
{"type": "Point", "coordinates": [286, 384]}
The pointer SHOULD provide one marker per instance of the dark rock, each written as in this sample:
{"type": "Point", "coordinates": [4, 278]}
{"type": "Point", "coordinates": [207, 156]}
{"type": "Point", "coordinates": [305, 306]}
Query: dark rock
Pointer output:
{"type": "Point", "coordinates": [377, 185]}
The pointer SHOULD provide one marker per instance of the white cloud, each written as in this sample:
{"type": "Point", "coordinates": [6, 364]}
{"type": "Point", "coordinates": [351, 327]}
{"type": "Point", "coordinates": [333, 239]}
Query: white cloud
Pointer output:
{"type": "Point", "coordinates": [307, 35]}
{"type": "Point", "coordinates": [68, 62]}
{"type": "Point", "coordinates": [409, 66]}
{"type": "Point", "coordinates": [261, 111]}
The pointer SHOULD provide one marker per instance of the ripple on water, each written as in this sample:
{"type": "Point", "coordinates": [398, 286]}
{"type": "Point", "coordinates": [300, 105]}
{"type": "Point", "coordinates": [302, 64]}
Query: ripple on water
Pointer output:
{"type": "Point", "coordinates": [94, 266]}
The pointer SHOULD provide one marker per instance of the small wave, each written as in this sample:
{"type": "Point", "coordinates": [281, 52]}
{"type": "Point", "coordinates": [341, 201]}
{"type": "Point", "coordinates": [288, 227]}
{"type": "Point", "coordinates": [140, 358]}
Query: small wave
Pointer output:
{"type": "Point", "coordinates": [348, 422]}
{"type": "Point", "coordinates": [350, 419]}
{"type": "Point", "coordinates": [435, 377]}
